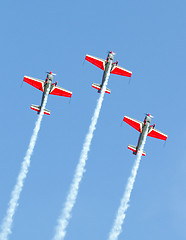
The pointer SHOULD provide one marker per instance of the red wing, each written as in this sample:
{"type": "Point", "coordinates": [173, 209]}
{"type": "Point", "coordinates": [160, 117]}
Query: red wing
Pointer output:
{"type": "Point", "coordinates": [96, 61]}
{"type": "Point", "coordinates": [60, 92]}
{"type": "Point", "coordinates": [157, 134]}
{"type": "Point", "coordinates": [121, 71]}
{"type": "Point", "coordinates": [134, 123]}
{"type": "Point", "coordinates": [34, 82]}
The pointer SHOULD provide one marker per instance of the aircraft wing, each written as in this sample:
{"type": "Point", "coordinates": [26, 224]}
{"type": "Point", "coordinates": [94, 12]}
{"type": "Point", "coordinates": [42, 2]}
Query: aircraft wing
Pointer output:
{"type": "Point", "coordinates": [157, 134]}
{"type": "Point", "coordinates": [37, 83]}
{"type": "Point", "coordinates": [134, 123]}
{"type": "Point", "coordinates": [56, 90]}
{"type": "Point", "coordinates": [121, 71]}
{"type": "Point", "coordinates": [96, 61]}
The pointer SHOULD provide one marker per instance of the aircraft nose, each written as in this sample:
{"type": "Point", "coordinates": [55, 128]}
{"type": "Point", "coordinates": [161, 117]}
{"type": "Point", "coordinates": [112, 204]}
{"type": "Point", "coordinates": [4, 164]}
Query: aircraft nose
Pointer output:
{"type": "Point", "coordinates": [50, 72]}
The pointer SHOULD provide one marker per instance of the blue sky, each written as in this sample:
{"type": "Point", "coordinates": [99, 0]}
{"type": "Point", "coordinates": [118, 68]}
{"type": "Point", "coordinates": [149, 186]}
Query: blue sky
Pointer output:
{"type": "Point", "coordinates": [149, 39]}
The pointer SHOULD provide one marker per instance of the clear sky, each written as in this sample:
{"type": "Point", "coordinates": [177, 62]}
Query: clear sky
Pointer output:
{"type": "Point", "coordinates": [149, 39]}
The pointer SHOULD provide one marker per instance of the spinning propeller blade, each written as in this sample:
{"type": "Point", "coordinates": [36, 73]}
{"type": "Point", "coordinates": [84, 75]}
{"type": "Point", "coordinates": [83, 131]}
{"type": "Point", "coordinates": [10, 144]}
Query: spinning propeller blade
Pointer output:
{"type": "Point", "coordinates": [51, 73]}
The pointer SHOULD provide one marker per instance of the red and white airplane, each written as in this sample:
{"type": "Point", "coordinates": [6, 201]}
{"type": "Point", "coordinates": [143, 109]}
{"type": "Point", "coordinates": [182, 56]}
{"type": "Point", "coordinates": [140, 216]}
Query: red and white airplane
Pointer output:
{"type": "Point", "coordinates": [142, 127]}
{"type": "Point", "coordinates": [107, 65]}
{"type": "Point", "coordinates": [43, 86]}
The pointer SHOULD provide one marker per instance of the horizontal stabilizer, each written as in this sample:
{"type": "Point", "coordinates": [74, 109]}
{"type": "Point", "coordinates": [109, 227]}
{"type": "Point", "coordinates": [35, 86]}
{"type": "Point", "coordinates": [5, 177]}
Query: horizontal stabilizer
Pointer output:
{"type": "Point", "coordinates": [98, 87]}
{"type": "Point", "coordinates": [133, 148]}
{"type": "Point", "coordinates": [38, 108]}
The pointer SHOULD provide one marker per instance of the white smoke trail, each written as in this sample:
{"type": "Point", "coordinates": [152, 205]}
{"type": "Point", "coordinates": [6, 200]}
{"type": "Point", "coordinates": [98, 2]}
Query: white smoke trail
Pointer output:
{"type": "Point", "coordinates": [13, 203]}
{"type": "Point", "coordinates": [72, 195]}
{"type": "Point", "coordinates": [121, 214]}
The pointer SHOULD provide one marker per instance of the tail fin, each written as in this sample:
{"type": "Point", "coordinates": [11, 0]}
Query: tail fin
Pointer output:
{"type": "Point", "coordinates": [38, 109]}
{"type": "Point", "coordinates": [98, 87]}
{"type": "Point", "coordinates": [133, 148]}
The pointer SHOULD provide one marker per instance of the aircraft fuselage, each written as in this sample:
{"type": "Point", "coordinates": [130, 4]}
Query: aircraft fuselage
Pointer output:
{"type": "Point", "coordinates": [145, 129]}
{"type": "Point", "coordinates": [47, 84]}
{"type": "Point", "coordinates": [108, 67]}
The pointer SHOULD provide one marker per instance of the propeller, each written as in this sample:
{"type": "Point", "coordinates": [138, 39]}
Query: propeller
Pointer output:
{"type": "Point", "coordinates": [111, 52]}
{"type": "Point", "coordinates": [51, 73]}
{"type": "Point", "coordinates": [148, 114]}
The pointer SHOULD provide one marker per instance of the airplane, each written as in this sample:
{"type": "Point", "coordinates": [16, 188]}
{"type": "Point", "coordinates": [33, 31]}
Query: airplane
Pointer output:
{"type": "Point", "coordinates": [107, 65]}
{"type": "Point", "coordinates": [142, 127]}
{"type": "Point", "coordinates": [43, 86]}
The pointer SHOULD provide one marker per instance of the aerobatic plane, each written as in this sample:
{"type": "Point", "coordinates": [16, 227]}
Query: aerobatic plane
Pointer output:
{"type": "Point", "coordinates": [43, 86]}
{"type": "Point", "coordinates": [107, 65]}
{"type": "Point", "coordinates": [142, 127]}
